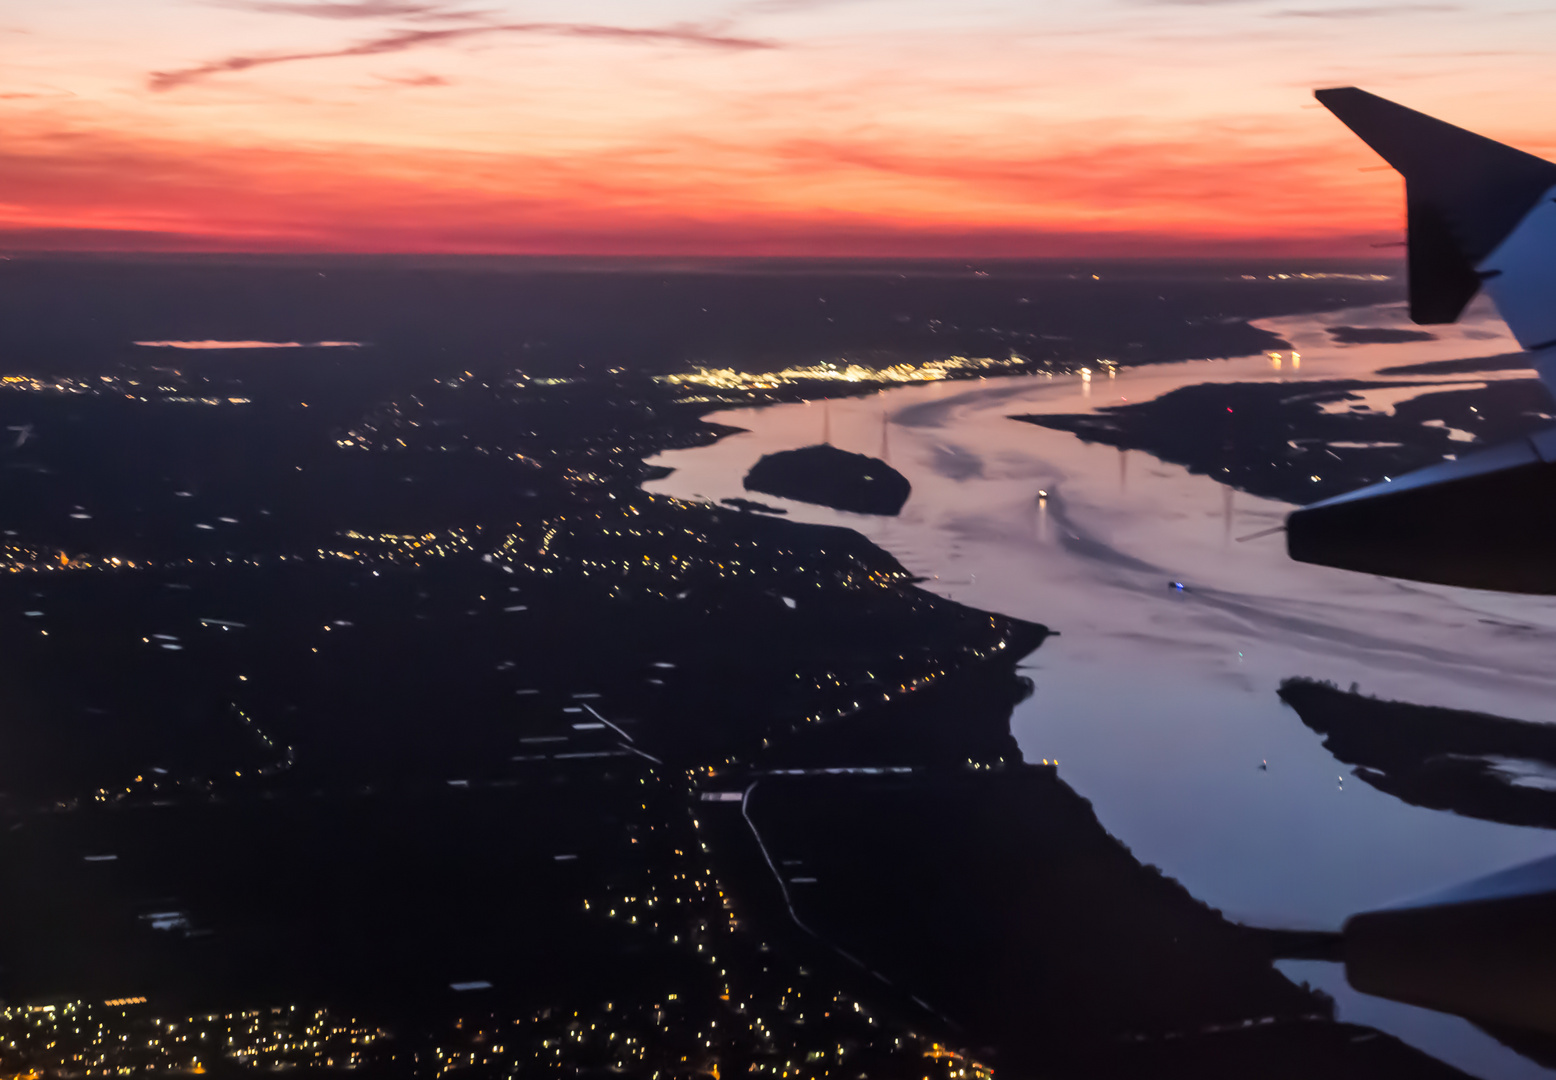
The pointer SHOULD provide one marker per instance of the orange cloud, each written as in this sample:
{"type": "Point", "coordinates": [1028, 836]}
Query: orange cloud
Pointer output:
{"type": "Point", "coordinates": [793, 197]}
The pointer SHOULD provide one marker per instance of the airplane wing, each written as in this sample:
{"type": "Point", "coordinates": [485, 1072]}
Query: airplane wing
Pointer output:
{"type": "Point", "coordinates": [1481, 215]}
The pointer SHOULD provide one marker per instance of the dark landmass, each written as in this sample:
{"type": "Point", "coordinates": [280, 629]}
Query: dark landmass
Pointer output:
{"type": "Point", "coordinates": [1302, 442]}
{"type": "Point", "coordinates": [996, 897]}
{"type": "Point", "coordinates": [424, 712]}
{"type": "Point", "coordinates": [361, 712]}
{"type": "Point", "coordinates": [1469, 763]}
{"type": "Point", "coordinates": [579, 316]}
{"type": "Point", "coordinates": [753, 506]}
{"type": "Point", "coordinates": [1377, 335]}
{"type": "Point", "coordinates": [1518, 361]}
{"type": "Point", "coordinates": [825, 475]}
{"type": "Point", "coordinates": [1536, 1046]}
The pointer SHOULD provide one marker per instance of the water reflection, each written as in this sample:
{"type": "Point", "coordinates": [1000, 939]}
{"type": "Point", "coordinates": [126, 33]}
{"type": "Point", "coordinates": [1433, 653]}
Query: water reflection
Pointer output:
{"type": "Point", "coordinates": [1160, 696]}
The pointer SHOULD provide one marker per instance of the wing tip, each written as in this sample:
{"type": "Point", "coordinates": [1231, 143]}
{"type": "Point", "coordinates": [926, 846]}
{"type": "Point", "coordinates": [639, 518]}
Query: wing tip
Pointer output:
{"type": "Point", "coordinates": [1348, 102]}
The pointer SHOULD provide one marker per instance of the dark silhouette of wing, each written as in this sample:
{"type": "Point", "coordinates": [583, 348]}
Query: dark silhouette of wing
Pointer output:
{"type": "Point", "coordinates": [1464, 194]}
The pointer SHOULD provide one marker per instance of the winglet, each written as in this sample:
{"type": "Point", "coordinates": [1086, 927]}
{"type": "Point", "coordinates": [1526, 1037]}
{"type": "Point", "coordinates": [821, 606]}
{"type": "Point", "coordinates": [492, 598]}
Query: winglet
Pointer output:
{"type": "Point", "coordinates": [1464, 194]}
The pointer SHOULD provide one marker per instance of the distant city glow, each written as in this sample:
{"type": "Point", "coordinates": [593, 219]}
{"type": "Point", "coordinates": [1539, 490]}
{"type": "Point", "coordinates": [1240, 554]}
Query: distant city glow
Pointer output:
{"type": "Point", "coordinates": [930, 371]}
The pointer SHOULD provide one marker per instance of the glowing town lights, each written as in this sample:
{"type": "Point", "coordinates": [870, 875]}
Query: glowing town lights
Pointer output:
{"type": "Point", "coordinates": [930, 371]}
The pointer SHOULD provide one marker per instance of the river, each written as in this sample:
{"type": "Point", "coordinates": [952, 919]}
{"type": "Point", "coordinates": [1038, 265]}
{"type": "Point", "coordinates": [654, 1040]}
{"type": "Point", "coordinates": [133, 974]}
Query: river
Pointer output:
{"type": "Point", "coordinates": [1159, 702]}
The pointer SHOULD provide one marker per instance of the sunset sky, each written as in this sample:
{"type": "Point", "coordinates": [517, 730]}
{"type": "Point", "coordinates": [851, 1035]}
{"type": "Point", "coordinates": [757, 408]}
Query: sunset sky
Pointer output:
{"type": "Point", "coordinates": [809, 127]}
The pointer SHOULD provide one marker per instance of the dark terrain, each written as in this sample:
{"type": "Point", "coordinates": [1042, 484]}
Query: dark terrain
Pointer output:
{"type": "Point", "coordinates": [1377, 335]}
{"type": "Point", "coordinates": [1277, 439]}
{"type": "Point", "coordinates": [1469, 763]}
{"type": "Point", "coordinates": [362, 711]}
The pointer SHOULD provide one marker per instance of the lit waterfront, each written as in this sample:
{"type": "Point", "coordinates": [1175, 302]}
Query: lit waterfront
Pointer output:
{"type": "Point", "coordinates": [929, 371]}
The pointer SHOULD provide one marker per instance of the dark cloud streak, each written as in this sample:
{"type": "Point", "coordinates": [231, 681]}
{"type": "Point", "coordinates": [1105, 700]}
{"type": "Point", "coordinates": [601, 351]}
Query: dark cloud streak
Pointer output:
{"type": "Point", "coordinates": [348, 9]}
{"type": "Point", "coordinates": [1369, 12]}
{"type": "Point", "coordinates": [396, 42]}
{"type": "Point", "coordinates": [402, 40]}
{"type": "Point", "coordinates": [414, 80]}
{"type": "Point", "coordinates": [782, 7]}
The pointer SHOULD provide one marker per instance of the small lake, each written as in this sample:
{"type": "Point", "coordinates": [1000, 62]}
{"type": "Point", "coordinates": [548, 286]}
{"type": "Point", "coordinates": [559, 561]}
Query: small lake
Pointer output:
{"type": "Point", "coordinates": [1159, 703]}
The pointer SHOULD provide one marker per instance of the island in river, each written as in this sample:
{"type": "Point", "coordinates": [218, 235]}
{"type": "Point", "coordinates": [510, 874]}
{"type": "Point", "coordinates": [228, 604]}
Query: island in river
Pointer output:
{"type": "Point", "coordinates": [827, 476]}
